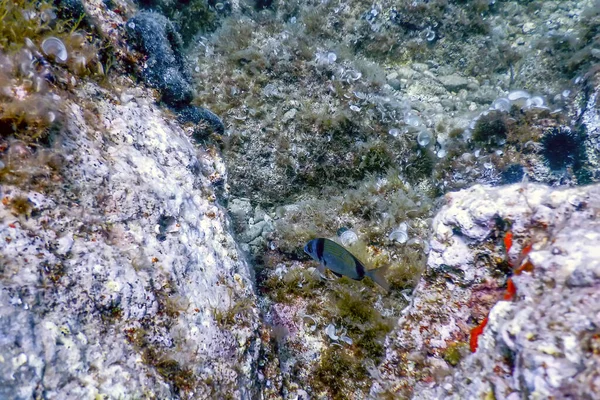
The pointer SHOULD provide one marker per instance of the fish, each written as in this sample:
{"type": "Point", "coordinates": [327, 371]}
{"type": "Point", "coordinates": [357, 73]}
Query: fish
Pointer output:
{"type": "Point", "coordinates": [340, 261]}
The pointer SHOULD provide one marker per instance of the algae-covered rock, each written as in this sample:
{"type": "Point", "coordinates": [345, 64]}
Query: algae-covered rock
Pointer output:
{"type": "Point", "coordinates": [121, 279]}
{"type": "Point", "coordinates": [165, 69]}
{"type": "Point", "coordinates": [540, 342]}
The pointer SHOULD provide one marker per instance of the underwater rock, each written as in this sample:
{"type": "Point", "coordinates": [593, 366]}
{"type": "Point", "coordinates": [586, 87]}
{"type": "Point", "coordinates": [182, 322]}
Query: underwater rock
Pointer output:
{"type": "Point", "coordinates": [198, 115]}
{"type": "Point", "coordinates": [156, 37]}
{"type": "Point", "coordinates": [536, 343]}
{"type": "Point", "coordinates": [165, 69]}
{"type": "Point", "coordinates": [69, 9]}
{"type": "Point", "coordinates": [123, 279]}
{"type": "Point", "coordinates": [189, 17]}
{"type": "Point", "coordinates": [454, 82]}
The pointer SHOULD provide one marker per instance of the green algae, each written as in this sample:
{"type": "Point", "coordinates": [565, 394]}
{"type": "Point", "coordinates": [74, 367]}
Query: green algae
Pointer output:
{"type": "Point", "coordinates": [339, 373]}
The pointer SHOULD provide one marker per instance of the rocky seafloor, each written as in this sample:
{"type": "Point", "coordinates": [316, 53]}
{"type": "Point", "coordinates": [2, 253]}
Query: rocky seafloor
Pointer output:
{"type": "Point", "coordinates": [163, 163]}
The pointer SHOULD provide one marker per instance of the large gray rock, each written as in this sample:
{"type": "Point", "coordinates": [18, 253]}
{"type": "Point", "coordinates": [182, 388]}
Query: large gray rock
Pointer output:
{"type": "Point", "coordinates": [542, 344]}
{"type": "Point", "coordinates": [122, 279]}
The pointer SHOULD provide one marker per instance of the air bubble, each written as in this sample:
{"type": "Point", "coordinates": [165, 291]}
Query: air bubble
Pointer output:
{"type": "Point", "coordinates": [412, 120]}
{"type": "Point", "coordinates": [424, 138]}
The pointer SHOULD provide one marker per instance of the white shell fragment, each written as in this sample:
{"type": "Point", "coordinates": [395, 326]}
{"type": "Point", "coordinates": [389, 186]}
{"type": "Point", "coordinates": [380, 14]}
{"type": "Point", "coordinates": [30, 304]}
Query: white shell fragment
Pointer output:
{"type": "Point", "coordinates": [400, 234]}
{"type": "Point", "coordinates": [535, 101]}
{"type": "Point", "coordinates": [330, 331]}
{"type": "Point", "coordinates": [518, 95]}
{"type": "Point", "coordinates": [348, 237]}
{"type": "Point", "coordinates": [54, 47]}
{"type": "Point", "coordinates": [501, 104]}
{"type": "Point", "coordinates": [346, 339]}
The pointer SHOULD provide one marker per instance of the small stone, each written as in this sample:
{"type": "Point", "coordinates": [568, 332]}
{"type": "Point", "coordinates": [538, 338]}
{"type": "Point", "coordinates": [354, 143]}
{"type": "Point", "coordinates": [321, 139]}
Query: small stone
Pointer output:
{"type": "Point", "coordinates": [420, 67]}
{"type": "Point", "coordinates": [395, 84]}
{"type": "Point", "coordinates": [454, 82]}
{"type": "Point", "coordinates": [405, 73]}
{"type": "Point", "coordinates": [528, 27]}
{"type": "Point", "coordinates": [291, 114]}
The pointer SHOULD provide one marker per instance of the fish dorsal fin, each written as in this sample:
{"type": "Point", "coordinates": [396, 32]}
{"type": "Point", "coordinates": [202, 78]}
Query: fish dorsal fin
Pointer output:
{"type": "Point", "coordinates": [338, 252]}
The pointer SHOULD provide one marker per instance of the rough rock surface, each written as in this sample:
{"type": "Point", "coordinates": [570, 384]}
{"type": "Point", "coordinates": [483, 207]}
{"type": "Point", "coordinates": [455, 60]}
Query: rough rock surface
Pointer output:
{"type": "Point", "coordinates": [542, 344]}
{"type": "Point", "coordinates": [123, 280]}
{"type": "Point", "coordinates": [156, 37]}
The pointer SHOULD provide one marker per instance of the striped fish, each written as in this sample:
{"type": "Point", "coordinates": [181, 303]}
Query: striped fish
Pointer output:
{"type": "Point", "coordinates": [340, 261]}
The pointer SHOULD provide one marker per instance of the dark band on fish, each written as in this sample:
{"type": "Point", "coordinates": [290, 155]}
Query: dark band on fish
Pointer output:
{"type": "Point", "coordinates": [320, 248]}
{"type": "Point", "coordinates": [360, 269]}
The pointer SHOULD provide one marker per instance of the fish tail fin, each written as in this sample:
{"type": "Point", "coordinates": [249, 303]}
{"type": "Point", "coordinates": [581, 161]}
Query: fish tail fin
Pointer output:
{"type": "Point", "coordinates": [378, 277]}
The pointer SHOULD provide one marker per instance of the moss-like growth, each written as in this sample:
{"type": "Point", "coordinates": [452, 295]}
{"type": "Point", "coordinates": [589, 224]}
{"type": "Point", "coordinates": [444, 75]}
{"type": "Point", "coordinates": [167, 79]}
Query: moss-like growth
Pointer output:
{"type": "Point", "coordinates": [513, 174]}
{"type": "Point", "coordinates": [20, 206]}
{"type": "Point", "coordinates": [375, 159]}
{"type": "Point", "coordinates": [31, 76]}
{"type": "Point", "coordinates": [370, 343]}
{"type": "Point", "coordinates": [490, 130]}
{"type": "Point", "coordinates": [355, 309]}
{"type": "Point", "coordinates": [454, 353]}
{"type": "Point", "coordinates": [365, 324]}
{"type": "Point", "coordinates": [420, 165]}
{"type": "Point", "coordinates": [181, 378]}
{"type": "Point", "coordinates": [230, 316]}
{"type": "Point", "coordinates": [23, 19]}
{"type": "Point", "coordinates": [296, 283]}
{"type": "Point", "coordinates": [339, 373]}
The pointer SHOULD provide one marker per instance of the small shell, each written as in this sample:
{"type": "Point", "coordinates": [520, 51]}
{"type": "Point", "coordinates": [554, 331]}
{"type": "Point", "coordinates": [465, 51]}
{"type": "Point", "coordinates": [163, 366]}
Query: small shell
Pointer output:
{"type": "Point", "coordinates": [54, 47]}
{"type": "Point", "coordinates": [346, 339]}
{"type": "Point", "coordinates": [399, 236]}
{"type": "Point", "coordinates": [348, 237]}
{"type": "Point", "coordinates": [330, 331]}
{"type": "Point", "coordinates": [395, 132]}
{"type": "Point", "coordinates": [501, 104]}
{"type": "Point", "coordinates": [518, 95]}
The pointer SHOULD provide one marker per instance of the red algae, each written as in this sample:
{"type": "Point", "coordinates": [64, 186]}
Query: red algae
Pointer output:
{"type": "Point", "coordinates": [511, 289]}
{"type": "Point", "coordinates": [475, 332]}
{"type": "Point", "coordinates": [508, 241]}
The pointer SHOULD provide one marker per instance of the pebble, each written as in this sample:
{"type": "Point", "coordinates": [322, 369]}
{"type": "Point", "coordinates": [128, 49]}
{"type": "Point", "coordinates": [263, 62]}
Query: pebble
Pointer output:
{"type": "Point", "coordinates": [528, 27]}
{"type": "Point", "coordinates": [453, 82]}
